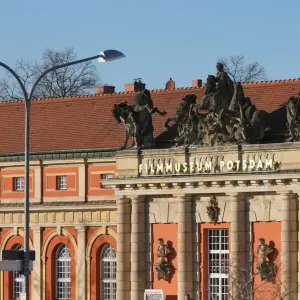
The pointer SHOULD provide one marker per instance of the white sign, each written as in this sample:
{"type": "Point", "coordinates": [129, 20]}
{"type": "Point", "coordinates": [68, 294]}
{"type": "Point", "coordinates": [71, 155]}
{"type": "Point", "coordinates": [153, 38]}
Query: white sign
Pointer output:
{"type": "Point", "coordinates": [154, 295]}
{"type": "Point", "coordinates": [205, 167]}
{"type": "Point", "coordinates": [23, 296]}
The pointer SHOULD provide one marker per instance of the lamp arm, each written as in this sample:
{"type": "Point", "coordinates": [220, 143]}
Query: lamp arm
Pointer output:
{"type": "Point", "coordinates": [16, 76]}
{"type": "Point", "coordinates": [59, 67]}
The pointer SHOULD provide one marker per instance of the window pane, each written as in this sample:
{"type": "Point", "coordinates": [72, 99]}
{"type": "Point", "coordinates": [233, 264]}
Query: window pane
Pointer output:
{"type": "Point", "coordinates": [108, 273]}
{"type": "Point", "coordinates": [63, 273]}
{"type": "Point", "coordinates": [18, 183]}
{"type": "Point", "coordinates": [62, 182]}
{"type": "Point", "coordinates": [218, 263]}
{"type": "Point", "coordinates": [18, 280]}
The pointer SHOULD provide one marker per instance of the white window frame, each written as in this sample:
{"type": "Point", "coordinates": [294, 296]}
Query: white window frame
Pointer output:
{"type": "Point", "coordinates": [62, 182]}
{"type": "Point", "coordinates": [18, 184]}
{"type": "Point", "coordinates": [105, 176]}
{"type": "Point", "coordinates": [63, 273]}
{"type": "Point", "coordinates": [222, 263]}
{"type": "Point", "coordinates": [108, 261]}
{"type": "Point", "coordinates": [18, 280]}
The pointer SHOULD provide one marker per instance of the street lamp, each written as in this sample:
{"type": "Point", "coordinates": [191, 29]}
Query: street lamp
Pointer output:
{"type": "Point", "coordinates": [104, 56]}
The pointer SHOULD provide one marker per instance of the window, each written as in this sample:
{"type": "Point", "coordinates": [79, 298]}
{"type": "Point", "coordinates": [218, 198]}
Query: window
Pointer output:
{"type": "Point", "coordinates": [18, 184]}
{"type": "Point", "coordinates": [18, 280]}
{"type": "Point", "coordinates": [105, 176]}
{"type": "Point", "coordinates": [218, 264]}
{"type": "Point", "coordinates": [108, 273]}
{"type": "Point", "coordinates": [63, 273]}
{"type": "Point", "coordinates": [61, 182]}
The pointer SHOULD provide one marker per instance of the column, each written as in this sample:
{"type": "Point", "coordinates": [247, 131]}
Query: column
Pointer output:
{"type": "Point", "coordinates": [123, 248]}
{"type": "Point", "coordinates": [80, 263]}
{"type": "Point", "coordinates": [288, 268]}
{"type": "Point", "coordinates": [185, 247]}
{"type": "Point", "coordinates": [138, 248]}
{"type": "Point", "coordinates": [37, 276]}
{"type": "Point", "coordinates": [237, 260]}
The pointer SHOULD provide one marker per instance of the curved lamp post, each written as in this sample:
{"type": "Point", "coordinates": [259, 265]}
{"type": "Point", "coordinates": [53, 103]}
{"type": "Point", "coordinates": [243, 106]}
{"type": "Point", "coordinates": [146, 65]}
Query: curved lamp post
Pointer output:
{"type": "Point", "coordinates": [104, 56]}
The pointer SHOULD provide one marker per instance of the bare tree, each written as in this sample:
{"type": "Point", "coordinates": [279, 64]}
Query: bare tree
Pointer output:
{"type": "Point", "coordinates": [246, 285]}
{"type": "Point", "coordinates": [241, 71]}
{"type": "Point", "coordinates": [69, 81]}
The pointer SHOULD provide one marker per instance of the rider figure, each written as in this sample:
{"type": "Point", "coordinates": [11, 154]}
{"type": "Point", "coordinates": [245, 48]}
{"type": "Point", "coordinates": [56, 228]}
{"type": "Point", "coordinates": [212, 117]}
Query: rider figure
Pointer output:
{"type": "Point", "coordinates": [224, 82]}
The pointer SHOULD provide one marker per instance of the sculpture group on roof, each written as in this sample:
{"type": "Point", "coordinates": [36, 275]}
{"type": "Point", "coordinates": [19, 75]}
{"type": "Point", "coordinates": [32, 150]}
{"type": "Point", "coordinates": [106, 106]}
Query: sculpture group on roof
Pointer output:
{"type": "Point", "coordinates": [223, 116]}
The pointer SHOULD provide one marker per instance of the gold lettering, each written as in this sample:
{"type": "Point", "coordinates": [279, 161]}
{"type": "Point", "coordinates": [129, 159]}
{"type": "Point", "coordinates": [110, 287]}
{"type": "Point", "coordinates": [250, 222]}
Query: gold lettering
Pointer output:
{"type": "Point", "coordinates": [169, 167]}
{"type": "Point", "coordinates": [177, 167]}
{"type": "Point", "coordinates": [269, 163]}
{"type": "Point", "coordinates": [185, 168]}
{"type": "Point", "coordinates": [244, 165]}
{"type": "Point", "coordinates": [222, 164]}
{"type": "Point", "coordinates": [159, 168]}
{"type": "Point", "coordinates": [192, 167]}
{"type": "Point", "coordinates": [259, 165]}
{"type": "Point", "coordinates": [208, 165]}
{"type": "Point", "coordinates": [229, 165]}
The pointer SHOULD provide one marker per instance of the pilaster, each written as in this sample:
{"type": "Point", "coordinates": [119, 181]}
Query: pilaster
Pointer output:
{"type": "Point", "coordinates": [82, 182]}
{"type": "Point", "coordinates": [37, 276]}
{"type": "Point", "coordinates": [185, 249]}
{"type": "Point", "coordinates": [138, 248]}
{"type": "Point", "coordinates": [237, 259]}
{"type": "Point", "coordinates": [123, 253]}
{"type": "Point", "coordinates": [80, 263]}
{"type": "Point", "coordinates": [288, 269]}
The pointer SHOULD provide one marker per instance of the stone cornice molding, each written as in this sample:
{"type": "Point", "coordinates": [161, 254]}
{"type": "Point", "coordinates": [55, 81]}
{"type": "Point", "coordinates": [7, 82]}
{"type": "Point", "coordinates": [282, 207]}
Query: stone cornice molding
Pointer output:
{"type": "Point", "coordinates": [214, 183]}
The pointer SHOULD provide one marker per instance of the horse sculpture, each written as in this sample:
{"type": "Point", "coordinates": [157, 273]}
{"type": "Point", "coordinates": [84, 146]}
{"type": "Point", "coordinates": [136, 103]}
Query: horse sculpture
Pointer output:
{"type": "Point", "coordinates": [129, 116]}
{"type": "Point", "coordinates": [186, 120]}
{"type": "Point", "coordinates": [253, 123]}
{"type": "Point", "coordinates": [238, 122]}
{"type": "Point", "coordinates": [293, 119]}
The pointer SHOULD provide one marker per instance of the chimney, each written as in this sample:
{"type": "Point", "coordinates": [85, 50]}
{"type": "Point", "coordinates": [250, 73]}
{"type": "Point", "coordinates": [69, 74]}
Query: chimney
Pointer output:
{"type": "Point", "coordinates": [197, 83]}
{"type": "Point", "coordinates": [135, 86]}
{"type": "Point", "coordinates": [170, 85]}
{"type": "Point", "coordinates": [104, 89]}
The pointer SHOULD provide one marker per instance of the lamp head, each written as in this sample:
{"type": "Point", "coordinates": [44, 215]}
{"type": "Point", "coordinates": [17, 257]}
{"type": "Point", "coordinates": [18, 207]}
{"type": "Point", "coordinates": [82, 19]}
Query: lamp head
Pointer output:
{"type": "Point", "coordinates": [110, 55]}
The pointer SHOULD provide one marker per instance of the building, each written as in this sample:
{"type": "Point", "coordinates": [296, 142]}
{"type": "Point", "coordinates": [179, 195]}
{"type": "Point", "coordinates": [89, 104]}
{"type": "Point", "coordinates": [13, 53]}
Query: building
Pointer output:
{"type": "Point", "coordinates": [80, 180]}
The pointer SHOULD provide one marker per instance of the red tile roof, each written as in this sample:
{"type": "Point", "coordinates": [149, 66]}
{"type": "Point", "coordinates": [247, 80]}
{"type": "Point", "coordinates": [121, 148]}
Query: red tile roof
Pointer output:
{"type": "Point", "coordinates": [87, 122]}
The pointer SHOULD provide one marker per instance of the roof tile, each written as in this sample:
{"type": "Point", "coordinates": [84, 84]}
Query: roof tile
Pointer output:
{"type": "Point", "coordinates": [86, 122]}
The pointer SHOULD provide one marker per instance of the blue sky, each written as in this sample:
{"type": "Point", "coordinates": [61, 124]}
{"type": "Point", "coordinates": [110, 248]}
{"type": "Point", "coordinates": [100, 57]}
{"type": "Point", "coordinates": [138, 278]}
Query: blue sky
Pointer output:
{"type": "Point", "coordinates": [161, 38]}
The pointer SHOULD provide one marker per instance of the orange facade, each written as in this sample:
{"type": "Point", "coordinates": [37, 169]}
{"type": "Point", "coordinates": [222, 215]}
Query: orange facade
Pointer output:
{"type": "Point", "coordinates": [48, 186]}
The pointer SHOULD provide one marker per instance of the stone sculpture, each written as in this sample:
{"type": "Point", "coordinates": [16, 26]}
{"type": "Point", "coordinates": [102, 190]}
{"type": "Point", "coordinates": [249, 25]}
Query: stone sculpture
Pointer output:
{"type": "Point", "coordinates": [213, 210]}
{"type": "Point", "coordinates": [267, 255]}
{"type": "Point", "coordinates": [137, 119]}
{"type": "Point", "coordinates": [224, 116]}
{"type": "Point", "coordinates": [164, 266]}
{"type": "Point", "coordinates": [293, 119]}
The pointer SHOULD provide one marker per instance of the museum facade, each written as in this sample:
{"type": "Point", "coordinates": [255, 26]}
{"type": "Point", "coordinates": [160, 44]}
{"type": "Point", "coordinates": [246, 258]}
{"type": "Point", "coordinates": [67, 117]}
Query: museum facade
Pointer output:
{"type": "Point", "coordinates": [214, 222]}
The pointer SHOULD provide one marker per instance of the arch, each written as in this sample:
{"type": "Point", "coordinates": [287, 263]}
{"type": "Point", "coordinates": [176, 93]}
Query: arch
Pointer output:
{"type": "Point", "coordinates": [96, 234]}
{"type": "Point", "coordinates": [52, 235]}
{"type": "Point", "coordinates": [93, 248]}
{"type": "Point", "coordinates": [11, 234]}
{"type": "Point", "coordinates": [7, 243]}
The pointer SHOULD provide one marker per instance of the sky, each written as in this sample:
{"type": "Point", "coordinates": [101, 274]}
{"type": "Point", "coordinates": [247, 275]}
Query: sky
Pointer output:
{"type": "Point", "coordinates": [161, 38]}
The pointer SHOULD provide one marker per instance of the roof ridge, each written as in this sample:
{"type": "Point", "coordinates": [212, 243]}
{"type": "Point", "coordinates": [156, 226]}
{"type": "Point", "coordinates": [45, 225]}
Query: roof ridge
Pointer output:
{"type": "Point", "coordinates": [80, 97]}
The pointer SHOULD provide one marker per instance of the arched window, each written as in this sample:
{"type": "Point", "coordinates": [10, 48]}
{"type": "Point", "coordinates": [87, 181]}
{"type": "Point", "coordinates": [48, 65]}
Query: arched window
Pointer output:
{"type": "Point", "coordinates": [63, 273]}
{"type": "Point", "coordinates": [18, 280]}
{"type": "Point", "coordinates": [108, 273]}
